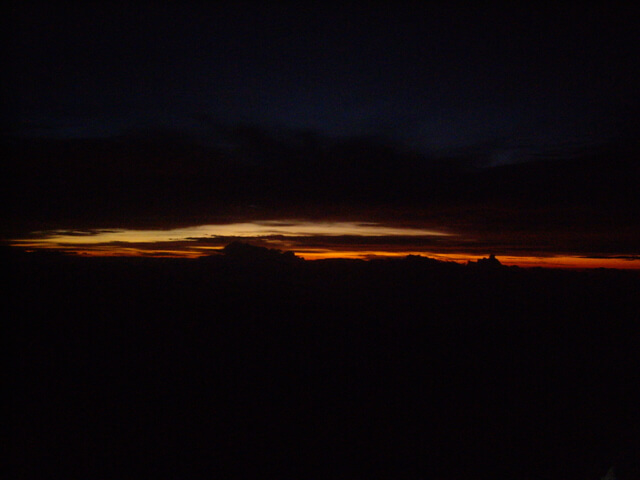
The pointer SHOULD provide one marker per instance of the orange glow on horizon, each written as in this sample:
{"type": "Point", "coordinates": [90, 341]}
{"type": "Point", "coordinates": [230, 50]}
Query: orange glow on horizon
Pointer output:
{"type": "Point", "coordinates": [557, 261]}
{"type": "Point", "coordinates": [292, 235]}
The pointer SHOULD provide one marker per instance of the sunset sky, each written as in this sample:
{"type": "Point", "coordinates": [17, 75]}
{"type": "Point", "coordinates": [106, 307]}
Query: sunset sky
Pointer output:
{"type": "Point", "coordinates": [359, 132]}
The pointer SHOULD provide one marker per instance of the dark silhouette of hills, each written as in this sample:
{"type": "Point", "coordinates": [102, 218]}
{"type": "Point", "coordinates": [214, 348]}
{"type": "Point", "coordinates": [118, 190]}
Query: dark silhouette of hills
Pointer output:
{"type": "Point", "coordinates": [253, 362]}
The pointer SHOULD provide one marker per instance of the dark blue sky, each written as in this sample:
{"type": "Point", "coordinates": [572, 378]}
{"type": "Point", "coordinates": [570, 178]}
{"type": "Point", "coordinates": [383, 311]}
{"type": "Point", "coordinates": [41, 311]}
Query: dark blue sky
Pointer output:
{"type": "Point", "coordinates": [438, 79]}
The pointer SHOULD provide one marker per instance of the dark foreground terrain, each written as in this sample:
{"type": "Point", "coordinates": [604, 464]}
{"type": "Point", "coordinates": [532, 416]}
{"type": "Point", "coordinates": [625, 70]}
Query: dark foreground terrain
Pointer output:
{"type": "Point", "coordinates": [259, 365]}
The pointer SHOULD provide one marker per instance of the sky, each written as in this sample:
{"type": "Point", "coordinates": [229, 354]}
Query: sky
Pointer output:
{"type": "Point", "coordinates": [188, 114]}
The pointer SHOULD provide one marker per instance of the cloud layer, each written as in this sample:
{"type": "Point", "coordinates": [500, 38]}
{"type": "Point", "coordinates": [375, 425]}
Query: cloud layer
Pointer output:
{"type": "Point", "coordinates": [308, 191]}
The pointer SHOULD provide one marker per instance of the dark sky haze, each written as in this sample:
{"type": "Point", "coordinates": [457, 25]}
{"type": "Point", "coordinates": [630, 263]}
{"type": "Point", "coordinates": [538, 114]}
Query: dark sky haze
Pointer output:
{"type": "Point", "coordinates": [433, 78]}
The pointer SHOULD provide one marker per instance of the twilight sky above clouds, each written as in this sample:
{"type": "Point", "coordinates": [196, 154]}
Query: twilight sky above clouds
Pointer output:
{"type": "Point", "coordinates": [187, 114]}
{"type": "Point", "coordinates": [435, 78]}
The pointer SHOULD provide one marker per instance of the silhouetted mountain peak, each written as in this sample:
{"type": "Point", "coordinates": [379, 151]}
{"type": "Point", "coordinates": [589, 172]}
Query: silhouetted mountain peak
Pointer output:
{"type": "Point", "coordinates": [246, 252]}
{"type": "Point", "coordinates": [491, 262]}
